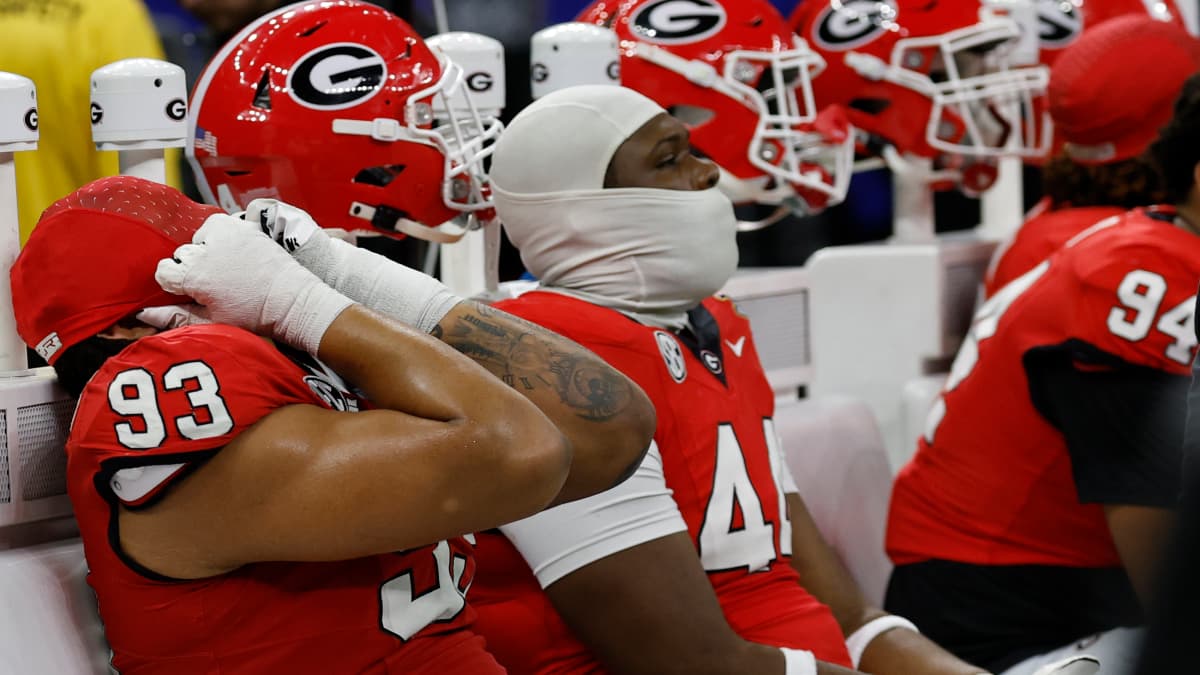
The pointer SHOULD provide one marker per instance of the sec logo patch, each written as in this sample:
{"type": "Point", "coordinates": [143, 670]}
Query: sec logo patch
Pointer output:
{"type": "Point", "coordinates": [672, 355]}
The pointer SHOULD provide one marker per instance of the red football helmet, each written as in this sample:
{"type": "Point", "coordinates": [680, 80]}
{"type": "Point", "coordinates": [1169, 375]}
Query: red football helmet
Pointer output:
{"type": "Point", "coordinates": [932, 78]}
{"type": "Point", "coordinates": [331, 106]}
{"type": "Point", "coordinates": [1061, 22]}
{"type": "Point", "coordinates": [733, 72]}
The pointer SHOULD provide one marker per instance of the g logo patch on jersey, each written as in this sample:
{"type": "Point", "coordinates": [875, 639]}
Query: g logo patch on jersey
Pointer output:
{"type": "Point", "coordinates": [672, 355]}
{"type": "Point", "coordinates": [678, 21]}
{"type": "Point", "coordinates": [712, 362]}
{"type": "Point", "coordinates": [1059, 23]}
{"type": "Point", "coordinates": [852, 23]}
{"type": "Point", "coordinates": [336, 76]}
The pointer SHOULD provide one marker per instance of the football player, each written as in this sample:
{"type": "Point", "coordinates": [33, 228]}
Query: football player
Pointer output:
{"type": "Point", "coordinates": [1104, 126]}
{"type": "Point", "coordinates": [706, 561]}
{"type": "Point", "coordinates": [1029, 522]}
{"type": "Point", "coordinates": [295, 507]}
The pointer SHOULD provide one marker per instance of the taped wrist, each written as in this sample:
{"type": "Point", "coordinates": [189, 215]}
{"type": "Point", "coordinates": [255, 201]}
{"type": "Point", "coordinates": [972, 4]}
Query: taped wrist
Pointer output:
{"type": "Point", "coordinates": [301, 320]}
{"type": "Point", "coordinates": [406, 295]}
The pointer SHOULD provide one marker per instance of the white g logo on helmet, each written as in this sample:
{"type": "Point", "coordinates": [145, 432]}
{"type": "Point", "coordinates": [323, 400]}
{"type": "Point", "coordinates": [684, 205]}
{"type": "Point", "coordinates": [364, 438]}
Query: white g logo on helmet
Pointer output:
{"type": "Point", "coordinates": [1059, 23]}
{"type": "Point", "coordinates": [852, 23]}
{"type": "Point", "coordinates": [336, 76]}
{"type": "Point", "coordinates": [677, 21]}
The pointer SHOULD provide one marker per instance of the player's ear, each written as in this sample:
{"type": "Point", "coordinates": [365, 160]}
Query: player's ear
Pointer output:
{"type": "Point", "coordinates": [1196, 178]}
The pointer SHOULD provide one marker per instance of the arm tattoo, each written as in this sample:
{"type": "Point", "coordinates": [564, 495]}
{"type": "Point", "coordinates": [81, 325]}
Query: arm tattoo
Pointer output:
{"type": "Point", "coordinates": [528, 357]}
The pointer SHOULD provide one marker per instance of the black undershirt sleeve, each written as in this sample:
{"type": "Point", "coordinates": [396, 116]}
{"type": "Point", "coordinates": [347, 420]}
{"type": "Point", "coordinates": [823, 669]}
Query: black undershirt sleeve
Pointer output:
{"type": "Point", "coordinates": [1123, 423]}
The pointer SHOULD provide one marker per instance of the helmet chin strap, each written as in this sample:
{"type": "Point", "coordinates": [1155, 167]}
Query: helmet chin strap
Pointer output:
{"type": "Point", "coordinates": [793, 206]}
{"type": "Point", "coordinates": [742, 190]}
{"type": "Point", "coordinates": [897, 163]}
{"type": "Point", "coordinates": [386, 218]}
{"type": "Point", "coordinates": [781, 196]}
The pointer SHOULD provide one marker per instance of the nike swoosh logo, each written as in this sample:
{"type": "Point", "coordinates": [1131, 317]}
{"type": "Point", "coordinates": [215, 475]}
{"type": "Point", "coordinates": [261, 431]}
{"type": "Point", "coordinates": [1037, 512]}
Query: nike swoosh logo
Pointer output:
{"type": "Point", "coordinates": [736, 347]}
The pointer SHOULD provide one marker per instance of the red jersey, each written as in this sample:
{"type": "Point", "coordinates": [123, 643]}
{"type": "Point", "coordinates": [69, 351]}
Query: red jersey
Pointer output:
{"type": "Point", "coordinates": [1043, 233]}
{"type": "Point", "coordinates": [993, 481]}
{"type": "Point", "coordinates": [720, 458]}
{"type": "Point", "coordinates": [158, 410]}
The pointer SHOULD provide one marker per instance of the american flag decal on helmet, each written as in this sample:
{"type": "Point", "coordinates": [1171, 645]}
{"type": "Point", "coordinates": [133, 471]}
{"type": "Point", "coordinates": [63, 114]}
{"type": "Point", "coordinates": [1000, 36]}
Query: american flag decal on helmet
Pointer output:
{"type": "Point", "coordinates": [206, 141]}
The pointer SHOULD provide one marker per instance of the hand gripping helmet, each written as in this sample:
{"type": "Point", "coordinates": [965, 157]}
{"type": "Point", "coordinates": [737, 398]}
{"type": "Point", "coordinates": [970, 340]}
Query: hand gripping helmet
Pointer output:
{"type": "Point", "coordinates": [91, 259]}
{"type": "Point", "coordinates": [932, 78]}
{"type": "Point", "coordinates": [1061, 22]}
{"type": "Point", "coordinates": [331, 106]}
{"type": "Point", "coordinates": [741, 81]}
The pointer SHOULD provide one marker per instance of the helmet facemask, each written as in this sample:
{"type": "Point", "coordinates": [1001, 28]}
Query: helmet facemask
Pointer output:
{"type": "Point", "coordinates": [792, 143]}
{"type": "Point", "coordinates": [981, 107]}
{"type": "Point", "coordinates": [797, 155]}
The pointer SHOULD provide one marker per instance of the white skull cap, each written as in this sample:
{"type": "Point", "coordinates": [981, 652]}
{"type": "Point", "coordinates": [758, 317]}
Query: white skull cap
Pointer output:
{"type": "Point", "coordinates": [565, 140]}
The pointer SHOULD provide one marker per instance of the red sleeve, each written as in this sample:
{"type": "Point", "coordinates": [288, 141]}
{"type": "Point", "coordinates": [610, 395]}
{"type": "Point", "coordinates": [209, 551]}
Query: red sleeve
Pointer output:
{"type": "Point", "coordinates": [1038, 239]}
{"type": "Point", "coordinates": [1136, 297]}
{"type": "Point", "coordinates": [173, 399]}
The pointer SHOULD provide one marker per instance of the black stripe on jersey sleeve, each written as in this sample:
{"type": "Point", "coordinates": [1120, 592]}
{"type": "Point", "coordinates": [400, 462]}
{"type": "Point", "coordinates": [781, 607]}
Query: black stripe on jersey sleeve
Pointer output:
{"type": "Point", "coordinates": [1123, 423]}
{"type": "Point", "coordinates": [192, 460]}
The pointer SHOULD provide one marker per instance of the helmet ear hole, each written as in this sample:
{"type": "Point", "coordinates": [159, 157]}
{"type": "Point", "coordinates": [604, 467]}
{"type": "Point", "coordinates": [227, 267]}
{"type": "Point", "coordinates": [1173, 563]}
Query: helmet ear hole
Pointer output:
{"type": "Point", "coordinates": [691, 115]}
{"type": "Point", "coordinates": [870, 106]}
{"type": "Point", "coordinates": [379, 176]}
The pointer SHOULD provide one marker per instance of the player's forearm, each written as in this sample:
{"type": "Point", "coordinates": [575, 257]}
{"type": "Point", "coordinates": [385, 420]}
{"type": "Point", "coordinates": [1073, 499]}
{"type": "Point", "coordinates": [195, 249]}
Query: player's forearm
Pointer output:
{"type": "Point", "coordinates": [824, 575]}
{"type": "Point", "coordinates": [401, 369]}
{"type": "Point", "coordinates": [1140, 534]}
{"type": "Point", "coordinates": [607, 418]}
{"type": "Point", "coordinates": [901, 652]}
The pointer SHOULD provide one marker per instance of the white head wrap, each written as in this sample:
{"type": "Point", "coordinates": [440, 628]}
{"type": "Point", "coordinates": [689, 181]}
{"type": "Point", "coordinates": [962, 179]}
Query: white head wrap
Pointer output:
{"type": "Point", "coordinates": [650, 253]}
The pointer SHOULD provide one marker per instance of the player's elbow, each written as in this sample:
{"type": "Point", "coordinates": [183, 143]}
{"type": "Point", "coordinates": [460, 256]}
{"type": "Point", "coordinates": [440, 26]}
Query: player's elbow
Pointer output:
{"type": "Point", "coordinates": [618, 452]}
{"type": "Point", "coordinates": [630, 439]}
{"type": "Point", "coordinates": [530, 463]}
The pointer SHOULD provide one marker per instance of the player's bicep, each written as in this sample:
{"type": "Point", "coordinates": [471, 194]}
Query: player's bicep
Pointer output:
{"type": "Point", "coordinates": [310, 484]}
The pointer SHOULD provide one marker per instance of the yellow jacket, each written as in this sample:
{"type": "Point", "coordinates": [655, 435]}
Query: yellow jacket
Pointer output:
{"type": "Point", "coordinates": [57, 44]}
